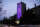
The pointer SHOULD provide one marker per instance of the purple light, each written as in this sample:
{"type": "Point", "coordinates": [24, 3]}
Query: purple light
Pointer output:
{"type": "Point", "coordinates": [19, 14]}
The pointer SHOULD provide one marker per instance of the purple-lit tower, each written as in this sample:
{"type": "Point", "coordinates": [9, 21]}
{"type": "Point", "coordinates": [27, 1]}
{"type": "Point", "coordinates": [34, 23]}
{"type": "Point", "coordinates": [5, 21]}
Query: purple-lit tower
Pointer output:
{"type": "Point", "coordinates": [21, 8]}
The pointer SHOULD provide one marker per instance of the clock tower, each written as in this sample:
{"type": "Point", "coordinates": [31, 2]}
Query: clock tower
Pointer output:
{"type": "Point", "coordinates": [21, 8]}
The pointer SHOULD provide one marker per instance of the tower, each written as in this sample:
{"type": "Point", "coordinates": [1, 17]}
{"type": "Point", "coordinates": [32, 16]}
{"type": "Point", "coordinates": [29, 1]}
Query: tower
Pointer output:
{"type": "Point", "coordinates": [21, 8]}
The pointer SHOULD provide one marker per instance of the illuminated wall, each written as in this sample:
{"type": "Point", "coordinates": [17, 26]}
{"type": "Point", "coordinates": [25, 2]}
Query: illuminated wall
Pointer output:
{"type": "Point", "coordinates": [19, 13]}
{"type": "Point", "coordinates": [21, 8]}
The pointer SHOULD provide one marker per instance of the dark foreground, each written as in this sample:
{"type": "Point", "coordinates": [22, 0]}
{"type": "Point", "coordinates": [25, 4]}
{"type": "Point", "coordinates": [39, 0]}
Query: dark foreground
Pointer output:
{"type": "Point", "coordinates": [21, 26]}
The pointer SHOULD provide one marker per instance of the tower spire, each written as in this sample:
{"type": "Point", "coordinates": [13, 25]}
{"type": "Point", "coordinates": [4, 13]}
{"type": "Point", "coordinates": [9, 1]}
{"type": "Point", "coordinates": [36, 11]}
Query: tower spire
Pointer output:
{"type": "Point", "coordinates": [21, 0]}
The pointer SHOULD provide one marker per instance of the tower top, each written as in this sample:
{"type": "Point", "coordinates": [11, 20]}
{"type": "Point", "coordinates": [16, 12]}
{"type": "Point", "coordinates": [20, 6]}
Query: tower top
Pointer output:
{"type": "Point", "coordinates": [22, 0]}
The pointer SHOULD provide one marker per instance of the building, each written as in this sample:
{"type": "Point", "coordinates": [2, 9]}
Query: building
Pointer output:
{"type": "Point", "coordinates": [21, 8]}
{"type": "Point", "coordinates": [36, 10]}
